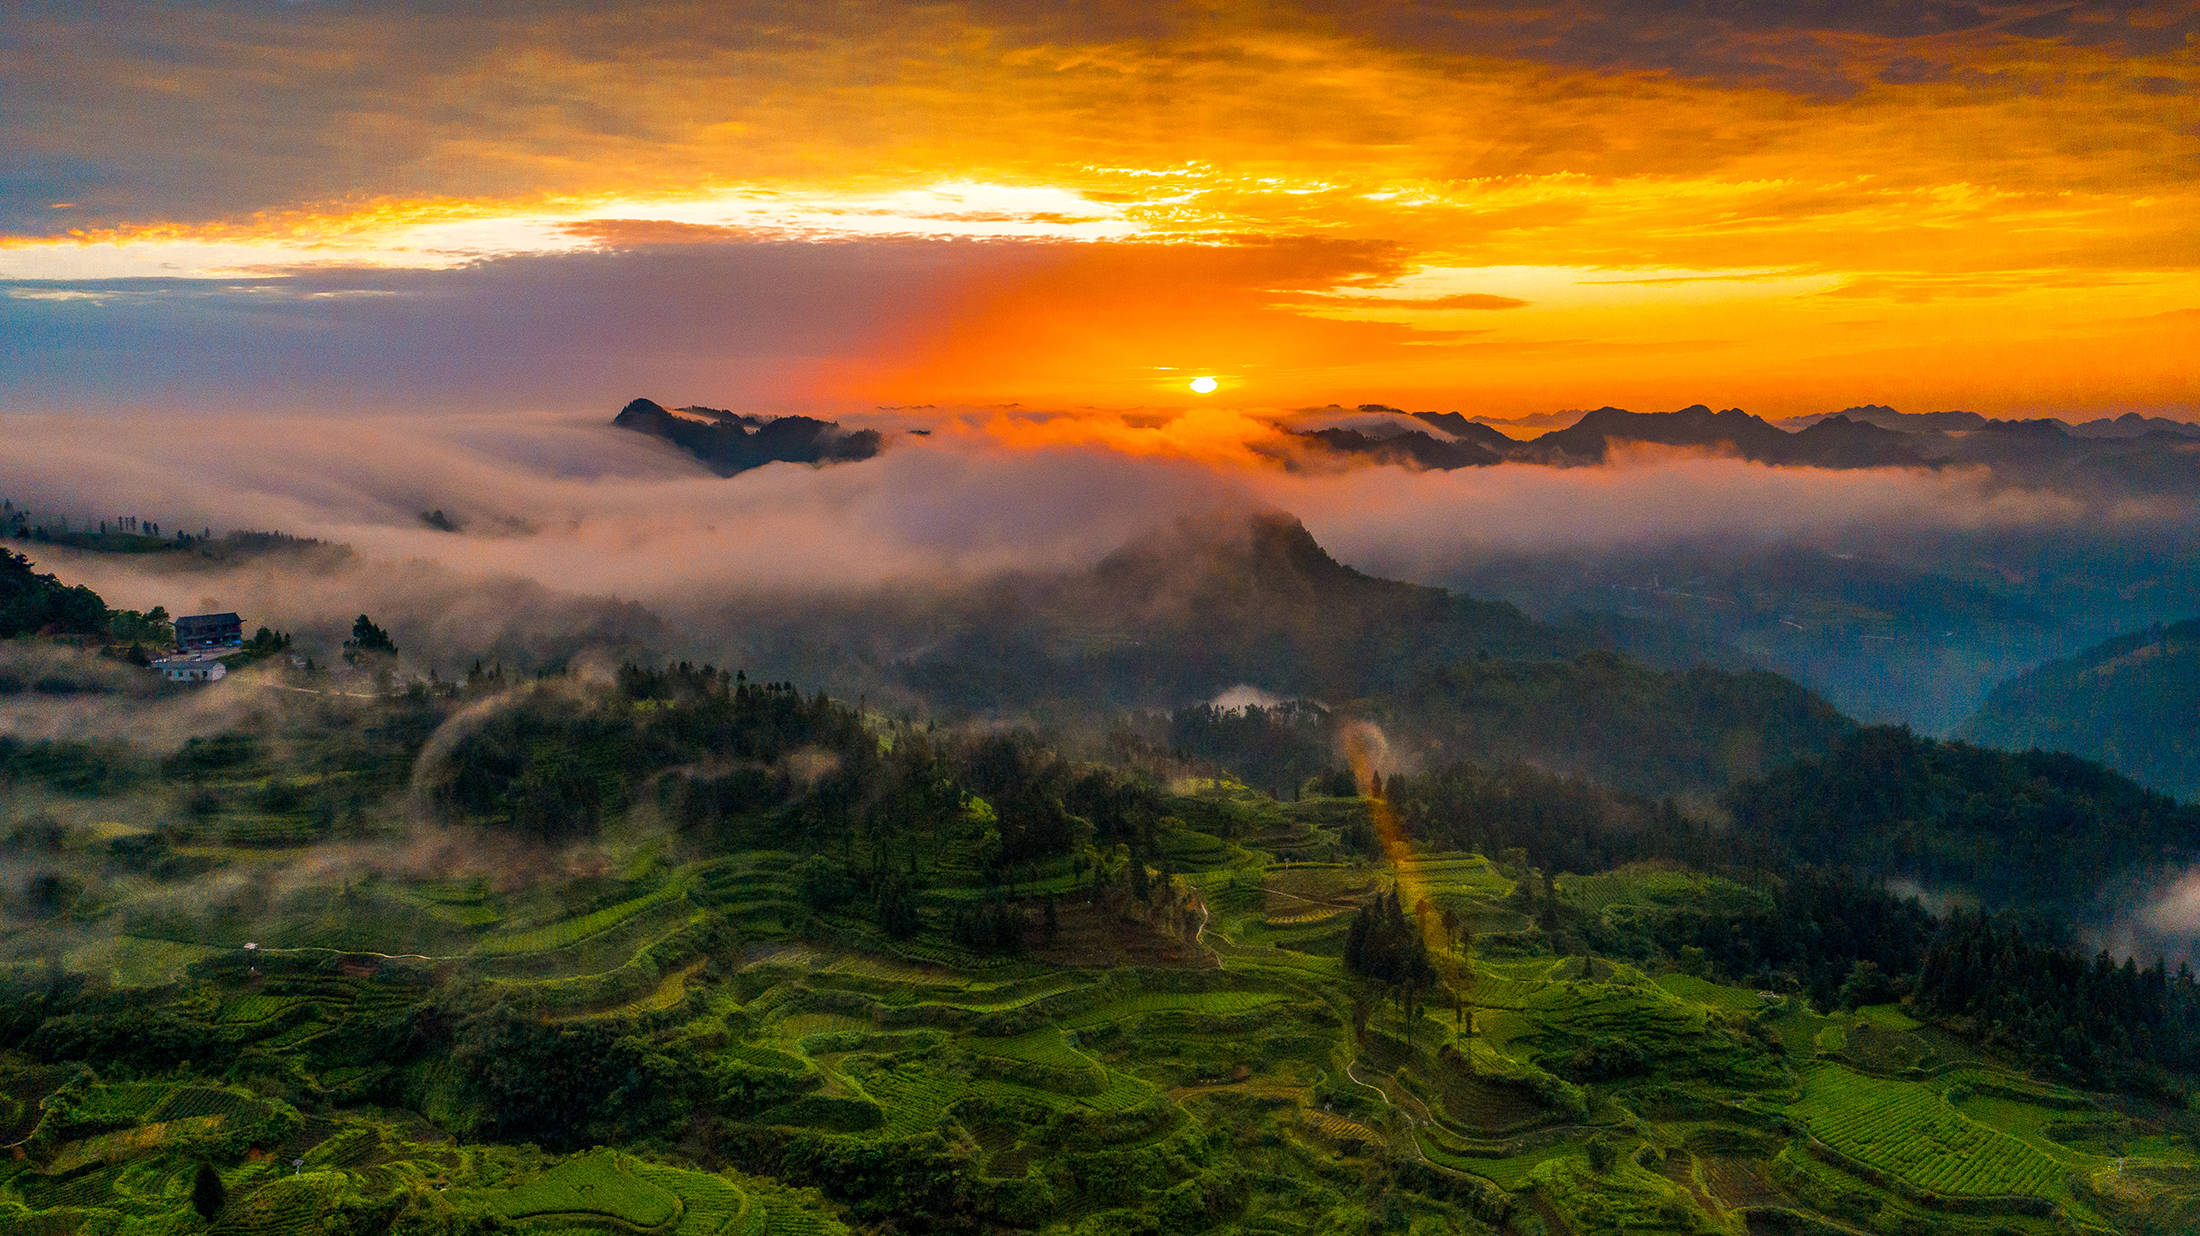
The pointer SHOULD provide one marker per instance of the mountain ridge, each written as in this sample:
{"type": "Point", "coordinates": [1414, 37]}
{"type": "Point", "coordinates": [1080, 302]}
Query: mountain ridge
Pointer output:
{"type": "Point", "coordinates": [2138, 453]}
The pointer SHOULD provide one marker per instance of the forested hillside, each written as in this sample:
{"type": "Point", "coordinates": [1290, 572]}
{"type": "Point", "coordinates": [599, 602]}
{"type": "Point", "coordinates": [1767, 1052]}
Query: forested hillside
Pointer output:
{"type": "Point", "coordinates": [2038, 828]}
{"type": "Point", "coordinates": [2132, 703]}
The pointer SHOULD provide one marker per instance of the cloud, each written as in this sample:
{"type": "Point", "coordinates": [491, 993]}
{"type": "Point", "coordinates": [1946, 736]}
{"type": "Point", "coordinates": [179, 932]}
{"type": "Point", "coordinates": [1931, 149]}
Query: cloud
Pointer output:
{"type": "Point", "coordinates": [1431, 525]}
{"type": "Point", "coordinates": [615, 196]}
{"type": "Point", "coordinates": [579, 535]}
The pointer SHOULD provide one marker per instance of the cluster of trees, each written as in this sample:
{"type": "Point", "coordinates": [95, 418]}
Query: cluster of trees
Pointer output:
{"type": "Point", "coordinates": [134, 534]}
{"type": "Point", "coordinates": [1600, 715]}
{"type": "Point", "coordinates": [32, 603]}
{"type": "Point", "coordinates": [552, 765]}
{"type": "Point", "coordinates": [1810, 929]}
{"type": "Point", "coordinates": [368, 640]}
{"type": "Point", "coordinates": [2022, 988]}
{"type": "Point", "coordinates": [1595, 715]}
{"type": "Point", "coordinates": [1387, 946]}
{"type": "Point", "coordinates": [1277, 747]}
{"type": "Point", "coordinates": [887, 895]}
{"type": "Point", "coordinates": [1041, 805]}
{"type": "Point", "coordinates": [1558, 822]}
{"type": "Point", "coordinates": [150, 629]}
{"type": "Point", "coordinates": [2035, 828]}
{"type": "Point", "coordinates": [566, 1085]}
{"type": "Point", "coordinates": [83, 769]}
{"type": "Point", "coordinates": [733, 762]}
{"type": "Point", "coordinates": [125, 533]}
{"type": "Point", "coordinates": [993, 925]}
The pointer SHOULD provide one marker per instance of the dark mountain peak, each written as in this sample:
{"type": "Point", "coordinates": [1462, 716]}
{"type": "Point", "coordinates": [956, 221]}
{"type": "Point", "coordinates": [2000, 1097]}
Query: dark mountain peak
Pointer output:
{"type": "Point", "coordinates": [1695, 425]}
{"type": "Point", "coordinates": [729, 442]}
{"type": "Point", "coordinates": [1199, 604]}
{"type": "Point", "coordinates": [1840, 425]}
{"type": "Point", "coordinates": [641, 411]}
{"type": "Point", "coordinates": [1264, 545]}
{"type": "Point", "coordinates": [1460, 427]}
{"type": "Point", "coordinates": [1276, 539]}
{"type": "Point", "coordinates": [1838, 442]}
{"type": "Point", "coordinates": [1602, 420]}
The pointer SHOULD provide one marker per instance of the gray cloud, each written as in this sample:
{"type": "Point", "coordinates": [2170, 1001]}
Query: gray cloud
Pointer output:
{"type": "Point", "coordinates": [748, 320]}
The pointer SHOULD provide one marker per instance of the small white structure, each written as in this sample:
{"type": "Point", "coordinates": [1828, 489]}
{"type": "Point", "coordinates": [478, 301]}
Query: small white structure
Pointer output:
{"type": "Point", "coordinates": [191, 667]}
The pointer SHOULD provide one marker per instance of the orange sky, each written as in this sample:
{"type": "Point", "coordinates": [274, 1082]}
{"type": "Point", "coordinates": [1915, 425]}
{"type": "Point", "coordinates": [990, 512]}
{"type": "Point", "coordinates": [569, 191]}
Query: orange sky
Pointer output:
{"type": "Point", "coordinates": [1505, 209]}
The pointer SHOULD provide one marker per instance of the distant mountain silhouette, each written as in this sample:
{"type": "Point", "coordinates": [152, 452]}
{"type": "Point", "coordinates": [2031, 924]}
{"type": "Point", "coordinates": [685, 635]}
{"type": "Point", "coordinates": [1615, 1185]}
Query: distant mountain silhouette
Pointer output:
{"type": "Point", "coordinates": [1840, 442]}
{"type": "Point", "coordinates": [2131, 452]}
{"type": "Point", "coordinates": [1887, 418]}
{"type": "Point", "coordinates": [1491, 439]}
{"type": "Point", "coordinates": [1590, 439]}
{"type": "Point", "coordinates": [1412, 448]}
{"type": "Point", "coordinates": [2133, 425]}
{"type": "Point", "coordinates": [728, 442]}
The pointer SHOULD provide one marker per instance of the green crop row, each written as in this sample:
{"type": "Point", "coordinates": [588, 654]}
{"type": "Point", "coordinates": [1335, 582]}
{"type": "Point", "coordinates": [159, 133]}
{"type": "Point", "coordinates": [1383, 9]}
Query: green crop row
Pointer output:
{"type": "Point", "coordinates": [1907, 1130]}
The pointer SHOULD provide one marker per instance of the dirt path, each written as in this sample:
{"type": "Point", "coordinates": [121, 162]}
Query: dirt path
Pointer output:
{"type": "Point", "coordinates": [1334, 905]}
{"type": "Point", "coordinates": [356, 952]}
{"type": "Point", "coordinates": [1413, 1122]}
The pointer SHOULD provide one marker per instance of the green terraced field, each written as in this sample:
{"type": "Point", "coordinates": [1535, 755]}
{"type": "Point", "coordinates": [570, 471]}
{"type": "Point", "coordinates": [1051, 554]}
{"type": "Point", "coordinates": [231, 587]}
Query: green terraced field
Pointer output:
{"type": "Point", "coordinates": [1908, 1130]}
{"type": "Point", "coordinates": [599, 1183]}
{"type": "Point", "coordinates": [567, 932]}
{"type": "Point", "coordinates": [1250, 1085]}
{"type": "Point", "coordinates": [1712, 995]}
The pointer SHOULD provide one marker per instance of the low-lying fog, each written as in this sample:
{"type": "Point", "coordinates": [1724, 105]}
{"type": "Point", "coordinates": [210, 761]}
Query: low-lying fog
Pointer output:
{"type": "Point", "coordinates": [574, 533]}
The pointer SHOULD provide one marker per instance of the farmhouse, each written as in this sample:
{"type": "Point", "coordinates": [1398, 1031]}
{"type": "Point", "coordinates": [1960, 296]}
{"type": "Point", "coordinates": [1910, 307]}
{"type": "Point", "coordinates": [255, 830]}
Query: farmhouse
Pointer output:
{"type": "Point", "coordinates": [191, 667]}
{"type": "Point", "coordinates": [198, 631]}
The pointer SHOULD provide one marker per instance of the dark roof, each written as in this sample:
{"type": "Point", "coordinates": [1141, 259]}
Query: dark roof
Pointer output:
{"type": "Point", "coordinates": [208, 620]}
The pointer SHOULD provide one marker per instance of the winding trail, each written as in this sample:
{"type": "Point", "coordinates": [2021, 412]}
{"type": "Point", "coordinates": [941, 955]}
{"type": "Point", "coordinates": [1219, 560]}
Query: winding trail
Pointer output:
{"type": "Point", "coordinates": [1413, 1122]}
{"type": "Point", "coordinates": [356, 952]}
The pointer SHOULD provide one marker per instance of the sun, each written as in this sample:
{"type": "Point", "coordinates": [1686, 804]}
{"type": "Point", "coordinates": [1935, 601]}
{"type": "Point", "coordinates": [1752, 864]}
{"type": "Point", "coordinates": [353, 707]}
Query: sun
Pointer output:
{"type": "Point", "coordinates": [1204, 385]}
